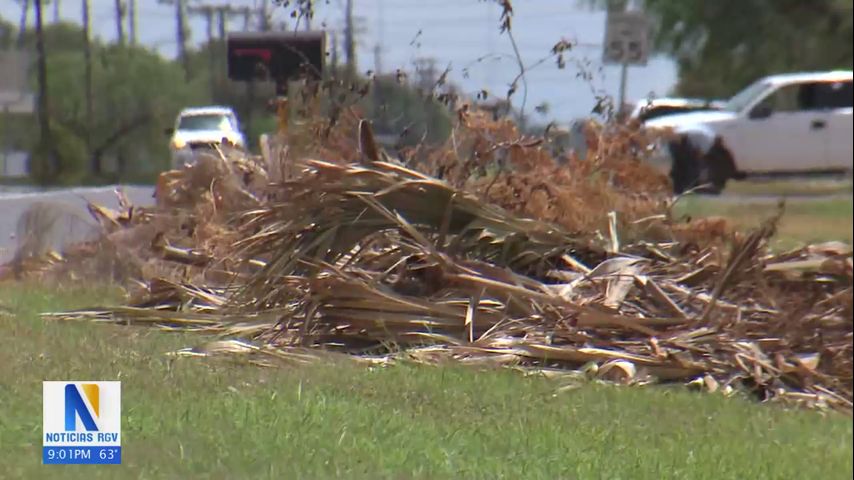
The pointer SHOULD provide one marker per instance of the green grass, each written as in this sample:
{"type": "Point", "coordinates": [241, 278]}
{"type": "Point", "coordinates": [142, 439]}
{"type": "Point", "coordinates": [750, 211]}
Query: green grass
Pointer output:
{"type": "Point", "coordinates": [193, 418]}
{"type": "Point", "coordinates": [806, 220]}
{"type": "Point", "coordinates": [786, 187]}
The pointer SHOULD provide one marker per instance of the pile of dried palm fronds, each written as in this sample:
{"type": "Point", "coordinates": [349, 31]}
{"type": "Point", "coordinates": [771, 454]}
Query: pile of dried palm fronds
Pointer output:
{"type": "Point", "coordinates": [382, 261]}
{"type": "Point", "coordinates": [494, 161]}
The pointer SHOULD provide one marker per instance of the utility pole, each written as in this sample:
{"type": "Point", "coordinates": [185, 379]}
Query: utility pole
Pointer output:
{"type": "Point", "coordinates": [378, 63]}
{"type": "Point", "coordinates": [617, 6]}
{"type": "Point", "coordinates": [181, 28]}
{"type": "Point", "coordinates": [224, 12]}
{"type": "Point", "coordinates": [264, 18]}
{"type": "Point", "coordinates": [265, 26]}
{"type": "Point", "coordinates": [211, 50]}
{"type": "Point", "coordinates": [180, 34]}
{"type": "Point", "coordinates": [87, 58]}
{"type": "Point", "coordinates": [349, 43]}
{"type": "Point", "coordinates": [55, 11]}
{"type": "Point", "coordinates": [215, 48]}
{"type": "Point", "coordinates": [247, 19]}
{"type": "Point", "coordinates": [221, 20]}
{"type": "Point", "coordinates": [624, 80]}
{"type": "Point", "coordinates": [335, 52]}
{"type": "Point", "coordinates": [22, 26]}
{"type": "Point", "coordinates": [207, 11]}
{"type": "Point", "coordinates": [121, 159]}
{"type": "Point", "coordinates": [378, 48]}
{"type": "Point", "coordinates": [132, 21]}
{"type": "Point", "coordinates": [44, 121]}
{"type": "Point", "coordinates": [120, 32]}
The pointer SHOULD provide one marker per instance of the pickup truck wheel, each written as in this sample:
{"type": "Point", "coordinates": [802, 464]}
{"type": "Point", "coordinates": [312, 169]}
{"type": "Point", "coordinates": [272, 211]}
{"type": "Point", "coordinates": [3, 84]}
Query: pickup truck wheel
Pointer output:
{"type": "Point", "coordinates": [686, 169]}
{"type": "Point", "coordinates": [711, 178]}
{"type": "Point", "coordinates": [689, 170]}
{"type": "Point", "coordinates": [720, 166]}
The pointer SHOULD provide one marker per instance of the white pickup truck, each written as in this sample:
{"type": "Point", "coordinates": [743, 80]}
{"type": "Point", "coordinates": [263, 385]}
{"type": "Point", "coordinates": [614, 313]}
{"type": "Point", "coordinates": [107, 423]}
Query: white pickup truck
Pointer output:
{"type": "Point", "coordinates": [790, 124]}
{"type": "Point", "coordinates": [199, 128]}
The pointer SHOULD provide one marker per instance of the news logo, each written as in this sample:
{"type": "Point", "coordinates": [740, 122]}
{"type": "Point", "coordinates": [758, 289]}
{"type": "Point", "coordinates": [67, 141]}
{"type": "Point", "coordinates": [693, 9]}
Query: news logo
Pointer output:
{"type": "Point", "coordinates": [82, 423]}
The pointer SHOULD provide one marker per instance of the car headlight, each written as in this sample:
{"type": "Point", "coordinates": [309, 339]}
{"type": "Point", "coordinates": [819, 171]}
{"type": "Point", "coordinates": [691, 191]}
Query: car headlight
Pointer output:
{"type": "Point", "coordinates": [234, 139]}
{"type": "Point", "coordinates": [178, 143]}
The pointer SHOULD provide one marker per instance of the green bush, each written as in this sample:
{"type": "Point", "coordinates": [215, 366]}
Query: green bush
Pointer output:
{"type": "Point", "coordinates": [71, 157]}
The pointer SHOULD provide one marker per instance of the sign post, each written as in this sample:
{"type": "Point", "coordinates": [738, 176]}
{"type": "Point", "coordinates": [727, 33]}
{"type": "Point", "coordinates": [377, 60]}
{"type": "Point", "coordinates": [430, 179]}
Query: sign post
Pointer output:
{"type": "Point", "coordinates": [626, 43]}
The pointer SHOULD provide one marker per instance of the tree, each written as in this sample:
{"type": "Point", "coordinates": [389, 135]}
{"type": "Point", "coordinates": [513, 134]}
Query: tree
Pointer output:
{"type": "Point", "coordinates": [412, 114]}
{"type": "Point", "coordinates": [723, 45]}
{"type": "Point", "coordinates": [58, 37]}
{"type": "Point", "coordinates": [8, 33]}
{"type": "Point", "coordinates": [139, 93]}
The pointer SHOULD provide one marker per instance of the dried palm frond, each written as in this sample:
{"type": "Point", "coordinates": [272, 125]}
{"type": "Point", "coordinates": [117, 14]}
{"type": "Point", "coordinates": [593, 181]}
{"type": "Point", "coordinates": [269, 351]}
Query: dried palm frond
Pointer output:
{"type": "Point", "coordinates": [537, 265]}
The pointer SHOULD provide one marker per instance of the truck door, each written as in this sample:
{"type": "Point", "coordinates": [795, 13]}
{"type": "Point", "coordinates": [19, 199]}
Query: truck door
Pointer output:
{"type": "Point", "coordinates": [784, 132]}
{"type": "Point", "coordinates": [835, 99]}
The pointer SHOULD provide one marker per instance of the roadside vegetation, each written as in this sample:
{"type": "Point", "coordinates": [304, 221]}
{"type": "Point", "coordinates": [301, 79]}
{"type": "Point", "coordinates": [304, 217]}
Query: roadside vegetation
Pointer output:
{"type": "Point", "coordinates": [791, 188]}
{"type": "Point", "coordinates": [209, 418]}
{"type": "Point", "coordinates": [805, 219]}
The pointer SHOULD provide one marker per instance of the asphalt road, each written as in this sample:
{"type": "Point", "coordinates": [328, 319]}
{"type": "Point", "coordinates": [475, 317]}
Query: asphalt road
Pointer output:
{"type": "Point", "coordinates": [66, 217]}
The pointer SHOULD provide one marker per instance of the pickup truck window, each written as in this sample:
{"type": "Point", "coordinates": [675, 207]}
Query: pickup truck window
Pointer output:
{"type": "Point", "coordinates": [745, 97]}
{"type": "Point", "coordinates": [811, 96]}
{"type": "Point", "coordinates": [833, 95]}
{"type": "Point", "coordinates": [791, 98]}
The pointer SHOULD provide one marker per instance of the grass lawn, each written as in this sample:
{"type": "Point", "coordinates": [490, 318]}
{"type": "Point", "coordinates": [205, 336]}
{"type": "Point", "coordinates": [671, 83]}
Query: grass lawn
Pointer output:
{"type": "Point", "coordinates": [806, 220]}
{"type": "Point", "coordinates": [790, 187]}
{"type": "Point", "coordinates": [192, 418]}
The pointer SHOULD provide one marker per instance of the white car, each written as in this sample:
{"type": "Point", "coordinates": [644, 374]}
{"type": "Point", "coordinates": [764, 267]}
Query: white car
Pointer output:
{"type": "Point", "coordinates": [781, 124]}
{"type": "Point", "coordinates": [200, 128]}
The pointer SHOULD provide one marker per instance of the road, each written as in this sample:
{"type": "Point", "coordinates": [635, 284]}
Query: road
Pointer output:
{"type": "Point", "coordinates": [67, 218]}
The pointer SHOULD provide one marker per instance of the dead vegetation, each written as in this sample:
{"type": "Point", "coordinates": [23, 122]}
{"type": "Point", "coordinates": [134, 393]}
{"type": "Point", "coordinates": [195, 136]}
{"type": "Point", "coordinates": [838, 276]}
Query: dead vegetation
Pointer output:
{"type": "Point", "coordinates": [488, 250]}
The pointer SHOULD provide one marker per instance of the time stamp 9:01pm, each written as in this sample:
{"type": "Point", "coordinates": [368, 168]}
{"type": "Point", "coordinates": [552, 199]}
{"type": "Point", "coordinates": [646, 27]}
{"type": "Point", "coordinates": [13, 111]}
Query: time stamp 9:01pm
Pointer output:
{"type": "Point", "coordinates": [82, 455]}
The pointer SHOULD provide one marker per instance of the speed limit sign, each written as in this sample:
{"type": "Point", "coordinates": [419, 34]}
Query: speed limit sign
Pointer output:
{"type": "Point", "coordinates": [626, 38]}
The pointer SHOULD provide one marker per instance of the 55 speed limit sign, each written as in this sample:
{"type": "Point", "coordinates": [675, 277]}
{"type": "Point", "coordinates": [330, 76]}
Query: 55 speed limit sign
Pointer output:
{"type": "Point", "coordinates": [626, 38]}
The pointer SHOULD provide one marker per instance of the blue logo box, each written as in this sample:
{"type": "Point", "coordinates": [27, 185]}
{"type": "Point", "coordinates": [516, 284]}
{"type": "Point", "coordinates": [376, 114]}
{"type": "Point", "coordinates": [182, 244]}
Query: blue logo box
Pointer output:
{"type": "Point", "coordinates": [81, 423]}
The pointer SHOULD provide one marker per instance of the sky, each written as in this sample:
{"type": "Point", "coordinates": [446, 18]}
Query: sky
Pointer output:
{"type": "Point", "coordinates": [456, 33]}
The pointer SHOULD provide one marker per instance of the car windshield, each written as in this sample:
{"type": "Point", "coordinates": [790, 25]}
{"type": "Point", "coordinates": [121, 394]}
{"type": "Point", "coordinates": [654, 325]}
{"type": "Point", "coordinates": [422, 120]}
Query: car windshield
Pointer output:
{"type": "Point", "coordinates": [204, 122]}
{"type": "Point", "coordinates": [745, 97]}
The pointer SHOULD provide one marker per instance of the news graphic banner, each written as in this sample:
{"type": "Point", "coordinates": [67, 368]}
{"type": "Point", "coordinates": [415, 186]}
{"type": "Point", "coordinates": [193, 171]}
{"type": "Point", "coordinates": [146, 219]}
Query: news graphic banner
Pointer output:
{"type": "Point", "coordinates": [82, 423]}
